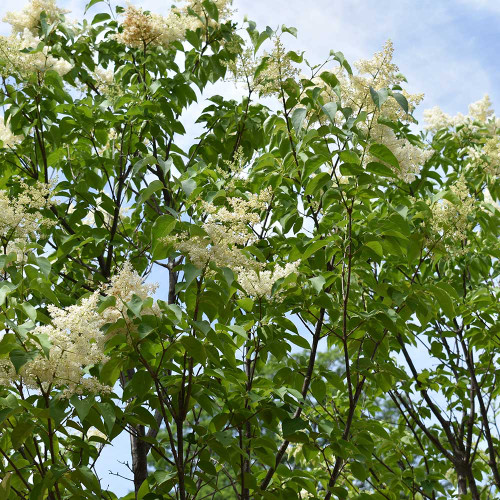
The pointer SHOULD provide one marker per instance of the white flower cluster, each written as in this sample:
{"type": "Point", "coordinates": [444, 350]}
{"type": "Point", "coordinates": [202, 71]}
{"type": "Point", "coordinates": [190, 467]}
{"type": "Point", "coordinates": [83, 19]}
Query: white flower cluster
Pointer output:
{"type": "Point", "coordinates": [450, 220]}
{"type": "Point", "coordinates": [76, 340]}
{"type": "Point", "coordinates": [486, 156]}
{"type": "Point", "coordinates": [20, 217]}
{"type": "Point", "coordinates": [479, 111]}
{"type": "Point", "coordinates": [259, 283]}
{"type": "Point", "coordinates": [75, 344]}
{"type": "Point", "coordinates": [223, 7]}
{"type": "Point", "coordinates": [481, 133]}
{"type": "Point", "coordinates": [410, 157]}
{"type": "Point", "coordinates": [19, 247]}
{"type": "Point", "coordinates": [104, 82]}
{"type": "Point", "coordinates": [226, 231]}
{"type": "Point", "coordinates": [7, 137]}
{"type": "Point", "coordinates": [379, 73]}
{"type": "Point", "coordinates": [305, 494]}
{"type": "Point", "coordinates": [29, 17]}
{"type": "Point", "coordinates": [123, 286]}
{"type": "Point", "coordinates": [278, 67]}
{"type": "Point", "coordinates": [13, 61]}
{"type": "Point", "coordinates": [233, 171]}
{"type": "Point", "coordinates": [141, 28]}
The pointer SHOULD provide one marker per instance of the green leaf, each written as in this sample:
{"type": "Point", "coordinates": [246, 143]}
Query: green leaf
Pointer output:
{"type": "Point", "coordinates": [144, 488]}
{"type": "Point", "coordinates": [298, 117]}
{"type": "Point", "coordinates": [146, 193]}
{"type": "Point", "coordinates": [359, 471]}
{"type": "Point", "coordinates": [383, 153]}
{"type": "Point", "coordinates": [211, 9]}
{"type": "Point", "coordinates": [4, 291]}
{"type": "Point", "coordinates": [380, 169]}
{"type": "Point", "coordinates": [376, 247]}
{"type": "Point", "coordinates": [298, 58]}
{"type": "Point", "coordinates": [106, 302]}
{"type": "Point", "coordinates": [292, 425]}
{"type": "Point", "coordinates": [99, 18]}
{"type": "Point", "coordinates": [379, 96]}
{"type": "Point", "coordinates": [330, 109]}
{"type": "Point", "coordinates": [82, 406]}
{"type": "Point", "coordinates": [329, 78]}
{"type": "Point", "coordinates": [316, 183]}
{"type": "Point", "coordinates": [143, 162]}
{"type": "Point", "coordinates": [349, 157]}
{"type": "Point", "coordinates": [190, 273]}
{"type": "Point", "coordinates": [91, 4]}
{"type": "Point", "coordinates": [289, 29]}
{"type": "Point", "coordinates": [318, 283]}
{"type": "Point", "coordinates": [135, 304]}
{"type": "Point", "coordinates": [246, 303]}
{"type": "Point", "coordinates": [444, 301]}
{"type": "Point", "coordinates": [20, 433]}
{"type": "Point", "coordinates": [313, 247]}
{"type": "Point", "coordinates": [163, 226]}
{"type": "Point", "coordinates": [29, 310]}
{"type": "Point", "coordinates": [108, 414]}
{"type": "Point", "coordinates": [19, 358]}
{"type": "Point", "coordinates": [449, 290]}
{"type": "Point", "coordinates": [194, 348]}
{"type": "Point", "coordinates": [44, 340]}
{"type": "Point", "coordinates": [44, 265]}
{"type": "Point", "coordinates": [402, 101]}
{"type": "Point", "coordinates": [188, 186]}
{"type": "Point", "coordinates": [318, 389]}
{"type": "Point", "coordinates": [5, 485]}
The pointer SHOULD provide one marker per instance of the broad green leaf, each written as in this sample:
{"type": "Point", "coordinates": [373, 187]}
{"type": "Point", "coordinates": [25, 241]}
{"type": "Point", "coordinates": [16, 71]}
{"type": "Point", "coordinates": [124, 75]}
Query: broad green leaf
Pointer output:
{"type": "Point", "coordinates": [318, 389]}
{"type": "Point", "coordinates": [82, 406]}
{"type": "Point", "coordinates": [194, 348]}
{"type": "Point", "coordinates": [188, 186]}
{"type": "Point", "coordinates": [317, 283]}
{"type": "Point", "coordinates": [147, 192]}
{"type": "Point", "coordinates": [298, 116]}
{"type": "Point", "coordinates": [359, 471]}
{"type": "Point", "coordinates": [444, 301]}
{"type": "Point", "coordinates": [292, 425]}
{"type": "Point", "coordinates": [20, 433]}
{"type": "Point", "coordinates": [383, 153]}
{"type": "Point", "coordinates": [329, 78]}
{"type": "Point", "coordinates": [5, 485]}
{"type": "Point", "coordinates": [402, 101]}
{"type": "Point", "coordinates": [135, 304]}
{"type": "Point", "coordinates": [316, 183]}
{"type": "Point", "coordinates": [379, 96]}
{"type": "Point", "coordinates": [330, 110]}
{"type": "Point", "coordinates": [19, 358]}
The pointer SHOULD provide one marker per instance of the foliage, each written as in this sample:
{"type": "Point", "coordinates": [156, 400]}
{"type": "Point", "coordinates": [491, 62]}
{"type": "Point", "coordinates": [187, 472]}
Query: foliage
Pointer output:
{"type": "Point", "coordinates": [310, 258]}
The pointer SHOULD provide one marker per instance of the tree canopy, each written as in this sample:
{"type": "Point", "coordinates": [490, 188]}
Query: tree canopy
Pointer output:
{"type": "Point", "coordinates": [325, 322]}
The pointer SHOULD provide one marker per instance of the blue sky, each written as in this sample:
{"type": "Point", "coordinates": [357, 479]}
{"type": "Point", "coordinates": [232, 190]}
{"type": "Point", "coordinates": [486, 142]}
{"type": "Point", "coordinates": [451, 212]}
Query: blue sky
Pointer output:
{"type": "Point", "coordinates": [447, 49]}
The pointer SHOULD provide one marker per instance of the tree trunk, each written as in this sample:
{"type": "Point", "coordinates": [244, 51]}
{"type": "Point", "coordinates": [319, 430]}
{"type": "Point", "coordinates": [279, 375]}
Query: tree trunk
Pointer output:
{"type": "Point", "coordinates": [139, 450]}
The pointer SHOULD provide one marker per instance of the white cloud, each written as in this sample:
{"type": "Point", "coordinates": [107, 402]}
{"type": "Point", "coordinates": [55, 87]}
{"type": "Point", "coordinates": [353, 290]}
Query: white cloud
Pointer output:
{"type": "Point", "coordinates": [432, 47]}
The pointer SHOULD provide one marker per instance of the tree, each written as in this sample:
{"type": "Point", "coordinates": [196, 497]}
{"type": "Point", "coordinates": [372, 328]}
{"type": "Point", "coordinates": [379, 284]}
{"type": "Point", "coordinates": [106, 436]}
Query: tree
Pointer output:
{"type": "Point", "coordinates": [305, 249]}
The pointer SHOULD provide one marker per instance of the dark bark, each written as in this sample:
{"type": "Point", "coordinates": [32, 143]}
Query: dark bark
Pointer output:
{"type": "Point", "coordinates": [139, 450]}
